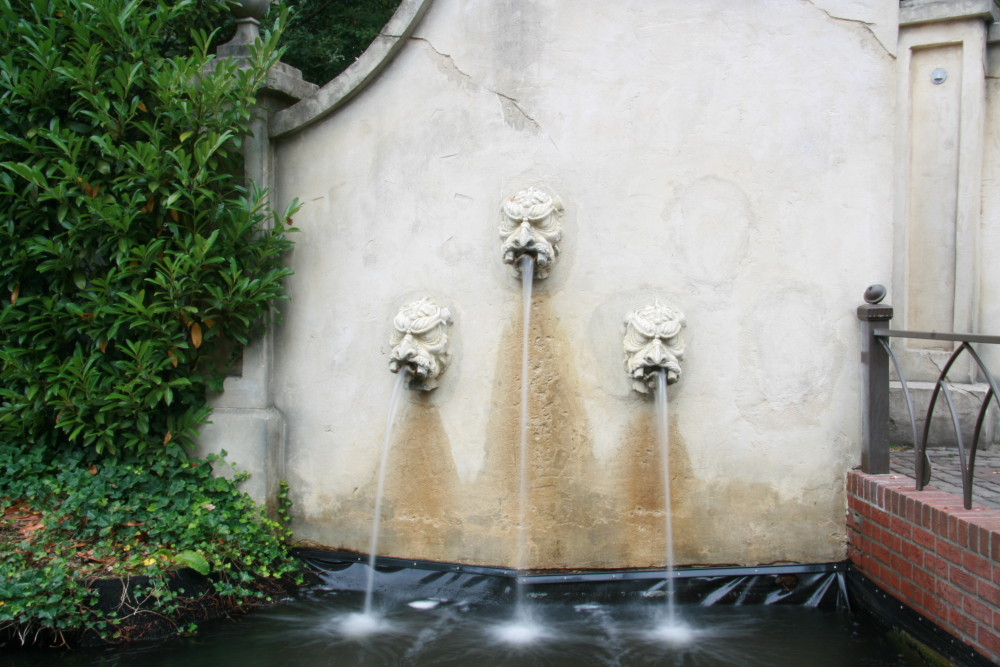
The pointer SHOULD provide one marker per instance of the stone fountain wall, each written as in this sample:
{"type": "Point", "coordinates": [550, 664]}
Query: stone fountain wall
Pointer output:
{"type": "Point", "coordinates": [749, 163]}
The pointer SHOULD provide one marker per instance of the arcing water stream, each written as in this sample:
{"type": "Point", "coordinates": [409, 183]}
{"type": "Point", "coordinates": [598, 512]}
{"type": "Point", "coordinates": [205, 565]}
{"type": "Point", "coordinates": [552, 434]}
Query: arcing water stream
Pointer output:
{"type": "Point", "coordinates": [673, 630]}
{"type": "Point", "coordinates": [397, 391]}
{"type": "Point", "coordinates": [523, 629]}
{"type": "Point", "coordinates": [527, 278]}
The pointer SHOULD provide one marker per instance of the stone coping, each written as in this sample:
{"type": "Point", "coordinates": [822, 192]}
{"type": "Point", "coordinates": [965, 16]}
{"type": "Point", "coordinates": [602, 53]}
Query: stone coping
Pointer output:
{"type": "Point", "coordinates": [361, 72]}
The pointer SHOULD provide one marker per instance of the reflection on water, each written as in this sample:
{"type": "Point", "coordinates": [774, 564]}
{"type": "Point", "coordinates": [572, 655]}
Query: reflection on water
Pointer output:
{"type": "Point", "coordinates": [321, 627]}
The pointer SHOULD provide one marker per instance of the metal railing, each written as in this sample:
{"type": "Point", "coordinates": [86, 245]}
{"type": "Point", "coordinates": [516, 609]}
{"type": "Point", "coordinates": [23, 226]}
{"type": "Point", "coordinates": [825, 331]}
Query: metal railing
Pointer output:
{"type": "Point", "coordinates": [876, 354]}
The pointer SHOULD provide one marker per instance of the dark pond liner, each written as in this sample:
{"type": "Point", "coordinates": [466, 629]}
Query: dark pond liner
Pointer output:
{"type": "Point", "coordinates": [813, 585]}
{"type": "Point", "coordinates": [893, 616]}
{"type": "Point", "coordinates": [823, 586]}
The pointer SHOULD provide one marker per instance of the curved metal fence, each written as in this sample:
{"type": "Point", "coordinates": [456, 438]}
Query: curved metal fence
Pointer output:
{"type": "Point", "coordinates": [876, 352]}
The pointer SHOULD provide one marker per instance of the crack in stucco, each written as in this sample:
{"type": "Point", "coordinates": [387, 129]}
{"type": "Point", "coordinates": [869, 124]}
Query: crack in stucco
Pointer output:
{"type": "Point", "coordinates": [514, 114]}
{"type": "Point", "coordinates": [509, 104]}
{"type": "Point", "coordinates": [867, 25]}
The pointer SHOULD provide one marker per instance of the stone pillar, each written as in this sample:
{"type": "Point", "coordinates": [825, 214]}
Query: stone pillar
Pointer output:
{"type": "Point", "coordinates": [245, 422]}
{"type": "Point", "coordinates": [937, 268]}
{"type": "Point", "coordinates": [941, 113]}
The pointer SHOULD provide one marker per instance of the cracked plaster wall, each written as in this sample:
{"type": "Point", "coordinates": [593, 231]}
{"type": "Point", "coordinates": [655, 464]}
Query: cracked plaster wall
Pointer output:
{"type": "Point", "coordinates": [731, 158]}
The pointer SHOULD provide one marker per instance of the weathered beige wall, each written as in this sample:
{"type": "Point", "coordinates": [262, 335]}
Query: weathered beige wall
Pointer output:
{"type": "Point", "coordinates": [735, 159]}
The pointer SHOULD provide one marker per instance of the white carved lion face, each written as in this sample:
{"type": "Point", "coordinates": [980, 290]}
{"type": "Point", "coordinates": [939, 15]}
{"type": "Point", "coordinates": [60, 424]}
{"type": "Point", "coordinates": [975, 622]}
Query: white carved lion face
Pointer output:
{"type": "Point", "coordinates": [653, 344]}
{"type": "Point", "coordinates": [420, 342]}
{"type": "Point", "coordinates": [530, 225]}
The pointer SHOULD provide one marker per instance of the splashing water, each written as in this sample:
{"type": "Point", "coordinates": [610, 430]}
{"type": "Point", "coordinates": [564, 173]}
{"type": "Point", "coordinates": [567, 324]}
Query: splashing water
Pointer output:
{"type": "Point", "coordinates": [397, 391]}
{"type": "Point", "coordinates": [519, 632]}
{"type": "Point", "coordinates": [674, 632]}
{"type": "Point", "coordinates": [522, 630]}
{"type": "Point", "coordinates": [361, 625]}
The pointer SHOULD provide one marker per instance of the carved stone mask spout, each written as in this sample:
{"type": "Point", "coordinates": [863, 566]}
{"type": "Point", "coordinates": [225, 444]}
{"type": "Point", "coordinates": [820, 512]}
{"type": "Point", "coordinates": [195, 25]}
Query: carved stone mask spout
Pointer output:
{"type": "Point", "coordinates": [653, 344]}
{"type": "Point", "coordinates": [530, 226]}
{"type": "Point", "coordinates": [420, 342]}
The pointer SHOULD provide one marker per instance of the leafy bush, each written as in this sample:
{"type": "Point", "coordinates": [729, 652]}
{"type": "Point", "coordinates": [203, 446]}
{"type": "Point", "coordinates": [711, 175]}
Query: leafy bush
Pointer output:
{"type": "Point", "coordinates": [73, 522]}
{"type": "Point", "coordinates": [131, 255]}
{"type": "Point", "coordinates": [133, 260]}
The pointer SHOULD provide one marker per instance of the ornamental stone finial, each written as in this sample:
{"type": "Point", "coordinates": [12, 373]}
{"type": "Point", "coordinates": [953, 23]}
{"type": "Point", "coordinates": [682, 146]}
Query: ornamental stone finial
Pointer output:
{"type": "Point", "coordinates": [653, 344]}
{"type": "Point", "coordinates": [248, 14]}
{"type": "Point", "coordinates": [530, 225]}
{"type": "Point", "coordinates": [420, 342]}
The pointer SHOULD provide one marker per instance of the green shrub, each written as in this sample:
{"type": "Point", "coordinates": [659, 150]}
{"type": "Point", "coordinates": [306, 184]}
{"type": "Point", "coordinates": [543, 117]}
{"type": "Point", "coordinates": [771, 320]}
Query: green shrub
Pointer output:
{"type": "Point", "coordinates": [64, 522]}
{"type": "Point", "coordinates": [133, 262]}
{"type": "Point", "coordinates": [131, 255]}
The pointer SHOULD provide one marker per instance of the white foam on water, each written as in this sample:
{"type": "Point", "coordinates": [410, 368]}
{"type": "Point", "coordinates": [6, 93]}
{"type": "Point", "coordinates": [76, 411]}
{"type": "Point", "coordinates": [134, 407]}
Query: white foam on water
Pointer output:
{"type": "Point", "coordinates": [674, 633]}
{"type": "Point", "coordinates": [424, 604]}
{"type": "Point", "coordinates": [519, 632]}
{"type": "Point", "coordinates": [361, 625]}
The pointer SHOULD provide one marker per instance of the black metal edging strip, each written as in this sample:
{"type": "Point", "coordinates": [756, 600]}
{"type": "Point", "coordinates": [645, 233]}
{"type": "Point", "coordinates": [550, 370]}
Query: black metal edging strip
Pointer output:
{"type": "Point", "coordinates": [936, 335]}
{"type": "Point", "coordinates": [685, 573]}
{"type": "Point", "coordinates": [321, 555]}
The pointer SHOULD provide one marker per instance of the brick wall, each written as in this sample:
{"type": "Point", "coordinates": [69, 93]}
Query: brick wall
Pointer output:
{"type": "Point", "coordinates": [926, 550]}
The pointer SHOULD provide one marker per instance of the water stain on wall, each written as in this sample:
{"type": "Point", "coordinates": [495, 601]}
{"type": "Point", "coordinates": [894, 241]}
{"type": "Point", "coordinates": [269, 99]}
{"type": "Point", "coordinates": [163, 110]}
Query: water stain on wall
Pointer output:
{"type": "Point", "coordinates": [582, 512]}
{"type": "Point", "coordinates": [422, 487]}
{"type": "Point", "coordinates": [639, 473]}
{"type": "Point", "coordinates": [568, 507]}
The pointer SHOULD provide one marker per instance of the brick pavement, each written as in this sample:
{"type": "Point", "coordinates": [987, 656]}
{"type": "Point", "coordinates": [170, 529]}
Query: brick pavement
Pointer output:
{"type": "Point", "coordinates": [946, 472]}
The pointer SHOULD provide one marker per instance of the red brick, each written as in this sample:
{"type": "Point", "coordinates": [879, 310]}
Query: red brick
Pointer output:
{"type": "Point", "coordinates": [901, 527]}
{"type": "Point", "coordinates": [879, 552]}
{"type": "Point", "coordinates": [864, 509]}
{"type": "Point", "coordinates": [988, 521]}
{"type": "Point", "coordinates": [902, 566]}
{"type": "Point", "coordinates": [925, 579]}
{"type": "Point", "coordinates": [909, 592]}
{"type": "Point", "coordinates": [935, 608]}
{"type": "Point", "coordinates": [950, 551]}
{"type": "Point", "coordinates": [989, 593]}
{"type": "Point", "coordinates": [941, 522]}
{"type": "Point", "coordinates": [939, 499]}
{"type": "Point", "coordinates": [926, 518]}
{"type": "Point", "coordinates": [924, 538]}
{"type": "Point", "coordinates": [963, 622]}
{"type": "Point", "coordinates": [936, 565]}
{"type": "Point", "coordinates": [891, 581]}
{"type": "Point", "coordinates": [852, 482]}
{"type": "Point", "coordinates": [961, 578]}
{"type": "Point", "coordinates": [954, 519]}
{"type": "Point", "coordinates": [979, 539]}
{"type": "Point", "coordinates": [948, 593]}
{"type": "Point", "coordinates": [977, 565]}
{"type": "Point", "coordinates": [891, 541]}
{"type": "Point", "coordinates": [995, 546]}
{"type": "Point", "coordinates": [897, 503]}
{"type": "Point", "coordinates": [989, 642]}
{"type": "Point", "coordinates": [963, 533]}
{"type": "Point", "coordinates": [914, 553]}
{"type": "Point", "coordinates": [978, 610]}
{"type": "Point", "coordinates": [869, 489]}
